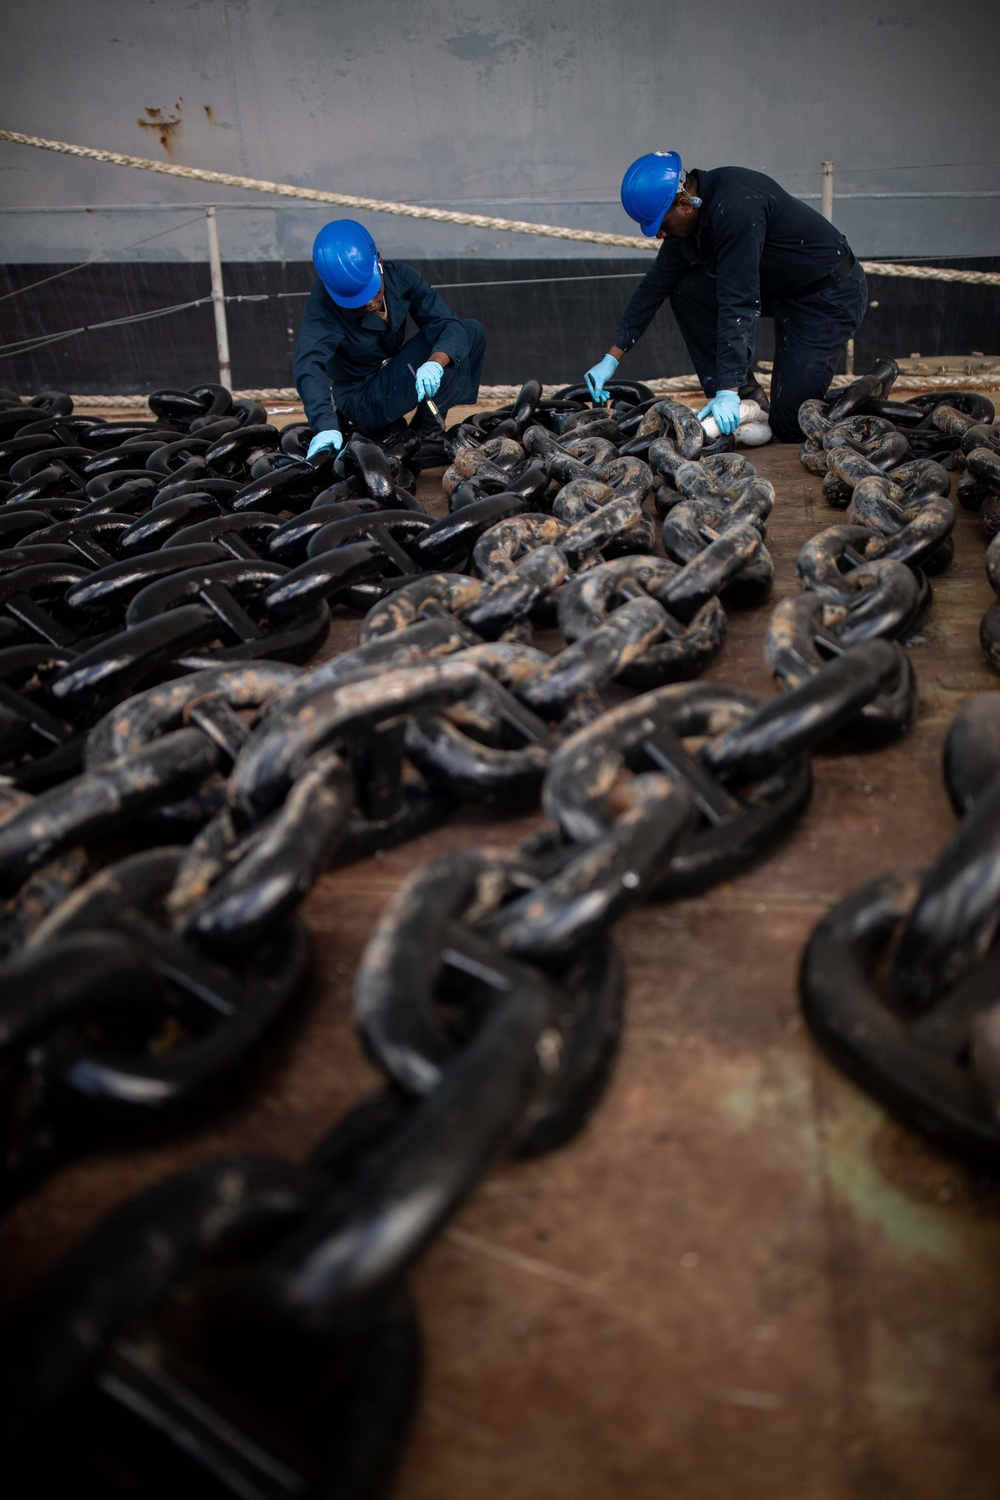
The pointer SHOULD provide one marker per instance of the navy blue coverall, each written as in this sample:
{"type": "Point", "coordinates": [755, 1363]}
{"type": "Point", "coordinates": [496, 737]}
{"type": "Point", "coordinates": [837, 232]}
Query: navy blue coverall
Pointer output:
{"type": "Point", "coordinates": [756, 250]}
{"type": "Point", "coordinates": [351, 361]}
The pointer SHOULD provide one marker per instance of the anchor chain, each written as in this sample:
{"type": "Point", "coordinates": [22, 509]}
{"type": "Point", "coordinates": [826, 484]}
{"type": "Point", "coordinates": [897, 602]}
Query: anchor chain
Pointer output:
{"type": "Point", "coordinates": [178, 768]}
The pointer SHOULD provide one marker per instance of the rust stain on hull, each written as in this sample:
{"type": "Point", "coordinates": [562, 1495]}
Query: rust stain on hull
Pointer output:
{"type": "Point", "coordinates": [164, 124]}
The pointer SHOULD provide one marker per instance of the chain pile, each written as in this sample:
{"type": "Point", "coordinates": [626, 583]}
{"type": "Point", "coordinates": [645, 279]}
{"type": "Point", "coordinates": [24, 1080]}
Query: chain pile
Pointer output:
{"type": "Point", "coordinates": [979, 490]}
{"type": "Point", "coordinates": [899, 979]}
{"type": "Point", "coordinates": [175, 780]}
{"type": "Point", "coordinates": [887, 464]}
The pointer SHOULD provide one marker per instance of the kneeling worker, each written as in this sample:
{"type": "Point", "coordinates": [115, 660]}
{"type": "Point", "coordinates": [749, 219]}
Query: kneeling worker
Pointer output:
{"type": "Point", "coordinates": [351, 361]}
{"type": "Point", "coordinates": [736, 245]}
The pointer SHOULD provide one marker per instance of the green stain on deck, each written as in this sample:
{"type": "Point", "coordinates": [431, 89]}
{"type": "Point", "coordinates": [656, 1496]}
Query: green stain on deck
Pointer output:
{"type": "Point", "coordinates": [907, 1225]}
{"type": "Point", "coordinates": [780, 1094]}
{"type": "Point", "coordinates": [778, 1091]}
{"type": "Point", "coordinates": [743, 1104]}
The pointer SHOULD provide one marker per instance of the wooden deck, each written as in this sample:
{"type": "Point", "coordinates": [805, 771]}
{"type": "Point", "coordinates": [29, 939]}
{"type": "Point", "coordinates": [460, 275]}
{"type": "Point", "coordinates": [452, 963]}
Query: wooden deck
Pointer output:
{"type": "Point", "coordinates": [743, 1280]}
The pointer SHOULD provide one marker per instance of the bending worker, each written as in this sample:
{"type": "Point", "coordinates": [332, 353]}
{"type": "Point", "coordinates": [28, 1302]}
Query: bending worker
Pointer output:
{"type": "Point", "coordinates": [351, 361]}
{"type": "Point", "coordinates": [736, 245]}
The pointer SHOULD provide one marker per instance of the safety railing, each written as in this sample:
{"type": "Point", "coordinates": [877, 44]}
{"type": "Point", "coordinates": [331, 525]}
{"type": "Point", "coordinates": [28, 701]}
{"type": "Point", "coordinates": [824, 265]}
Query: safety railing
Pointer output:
{"type": "Point", "coordinates": [219, 300]}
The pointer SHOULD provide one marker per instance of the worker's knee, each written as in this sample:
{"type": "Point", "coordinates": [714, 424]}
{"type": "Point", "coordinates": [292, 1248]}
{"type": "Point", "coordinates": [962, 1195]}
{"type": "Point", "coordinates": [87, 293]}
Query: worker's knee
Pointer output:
{"type": "Point", "coordinates": [787, 395]}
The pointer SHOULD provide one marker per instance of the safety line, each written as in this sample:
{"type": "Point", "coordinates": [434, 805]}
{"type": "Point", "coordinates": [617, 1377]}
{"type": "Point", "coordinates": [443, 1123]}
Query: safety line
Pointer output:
{"type": "Point", "coordinates": [451, 286]}
{"type": "Point", "coordinates": [39, 341]}
{"type": "Point", "coordinates": [105, 255]}
{"type": "Point", "coordinates": [438, 215]}
{"type": "Point", "coordinates": [28, 346]}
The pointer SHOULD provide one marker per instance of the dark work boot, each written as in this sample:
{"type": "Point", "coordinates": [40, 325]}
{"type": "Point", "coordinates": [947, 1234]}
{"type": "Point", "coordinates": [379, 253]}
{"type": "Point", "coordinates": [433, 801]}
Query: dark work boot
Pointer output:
{"type": "Point", "coordinates": [752, 390]}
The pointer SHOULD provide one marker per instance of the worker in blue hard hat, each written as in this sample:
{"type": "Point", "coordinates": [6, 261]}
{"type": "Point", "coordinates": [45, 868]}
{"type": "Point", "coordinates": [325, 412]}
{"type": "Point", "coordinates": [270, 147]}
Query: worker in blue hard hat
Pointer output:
{"type": "Point", "coordinates": [735, 246]}
{"type": "Point", "coordinates": [352, 360]}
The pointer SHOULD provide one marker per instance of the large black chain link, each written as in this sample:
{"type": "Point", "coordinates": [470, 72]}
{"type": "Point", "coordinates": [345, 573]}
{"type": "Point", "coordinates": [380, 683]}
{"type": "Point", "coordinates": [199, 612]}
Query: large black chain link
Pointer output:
{"type": "Point", "coordinates": [924, 1036]}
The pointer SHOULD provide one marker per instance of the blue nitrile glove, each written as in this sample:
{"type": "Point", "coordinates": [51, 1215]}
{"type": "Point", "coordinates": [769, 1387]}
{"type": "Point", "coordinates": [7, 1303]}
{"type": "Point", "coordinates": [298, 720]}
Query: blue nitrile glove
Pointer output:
{"type": "Point", "coordinates": [725, 408]}
{"type": "Point", "coordinates": [331, 438]}
{"type": "Point", "coordinates": [597, 375]}
{"type": "Point", "coordinates": [428, 379]}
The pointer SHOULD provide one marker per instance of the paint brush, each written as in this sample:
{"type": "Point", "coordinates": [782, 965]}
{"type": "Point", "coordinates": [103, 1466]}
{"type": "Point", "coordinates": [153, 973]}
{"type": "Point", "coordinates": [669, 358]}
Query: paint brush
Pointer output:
{"type": "Point", "coordinates": [430, 405]}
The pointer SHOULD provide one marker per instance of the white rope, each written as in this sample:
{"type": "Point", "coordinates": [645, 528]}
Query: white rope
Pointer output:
{"type": "Point", "coordinates": [929, 273]}
{"type": "Point", "coordinates": [677, 385]}
{"type": "Point", "coordinates": [441, 215]}
{"type": "Point", "coordinates": [316, 195]}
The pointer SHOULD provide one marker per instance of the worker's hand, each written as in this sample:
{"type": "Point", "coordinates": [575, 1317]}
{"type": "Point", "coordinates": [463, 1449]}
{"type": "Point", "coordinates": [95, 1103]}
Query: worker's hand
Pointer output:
{"type": "Point", "coordinates": [597, 375]}
{"type": "Point", "coordinates": [331, 438]}
{"type": "Point", "coordinates": [725, 408]}
{"type": "Point", "coordinates": [428, 379]}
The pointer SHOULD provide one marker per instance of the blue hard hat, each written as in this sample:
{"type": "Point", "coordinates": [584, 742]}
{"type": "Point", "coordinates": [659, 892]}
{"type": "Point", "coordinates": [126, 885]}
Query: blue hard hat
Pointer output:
{"type": "Point", "coordinates": [346, 262]}
{"type": "Point", "coordinates": [649, 187]}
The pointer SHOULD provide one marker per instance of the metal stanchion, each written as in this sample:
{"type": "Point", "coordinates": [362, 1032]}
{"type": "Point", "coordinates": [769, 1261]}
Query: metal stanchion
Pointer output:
{"type": "Point", "coordinates": [218, 298]}
{"type": "Point", "coordinates": [826, 209]}
{"type": "Point", "coordinates": [826, 190]}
